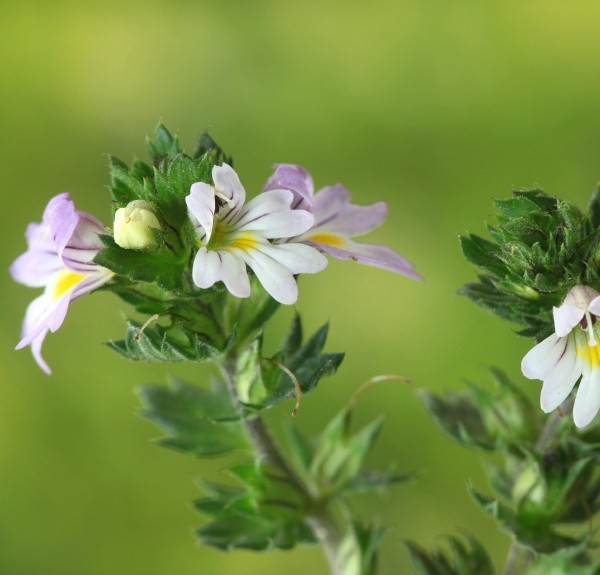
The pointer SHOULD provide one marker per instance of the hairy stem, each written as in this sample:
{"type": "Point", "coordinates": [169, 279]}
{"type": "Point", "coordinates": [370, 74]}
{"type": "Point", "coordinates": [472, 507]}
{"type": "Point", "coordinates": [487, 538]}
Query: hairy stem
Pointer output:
{"type": "Point", "coordinates": [518, 557]}
{"type": "Point", "coordinates": [318, 515]}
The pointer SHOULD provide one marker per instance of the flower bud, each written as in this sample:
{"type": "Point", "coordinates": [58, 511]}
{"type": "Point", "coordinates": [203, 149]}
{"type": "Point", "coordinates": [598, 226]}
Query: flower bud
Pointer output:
{"type": "Point", "coordinates": [132, 225]}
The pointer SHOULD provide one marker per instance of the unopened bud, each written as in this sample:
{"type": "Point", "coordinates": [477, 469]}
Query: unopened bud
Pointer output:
{"type": "Point", "coordinates": [132, 226]}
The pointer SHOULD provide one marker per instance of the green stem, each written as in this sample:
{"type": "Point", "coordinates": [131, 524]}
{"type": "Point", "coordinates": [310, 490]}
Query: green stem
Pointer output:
{"type": "Point", "coordinates": [318, 515]}
{"type": "Point", "coordinates": [518, 557]}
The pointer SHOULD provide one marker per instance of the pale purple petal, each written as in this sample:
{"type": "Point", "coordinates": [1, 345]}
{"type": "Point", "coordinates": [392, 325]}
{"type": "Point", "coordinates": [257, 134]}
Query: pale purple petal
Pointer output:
{"type": "Point", "coordinates": [228, 185]}
{"type": "Point", "coordinates": [36, 350]}
{"type": "Point", "coordinates": [343, 248]}
{"type": "Point", "coordinates": [269, 213]}
{"type": "Point", "coordinates": [61, 218]}
{"type": "Point", "coordinates": [543, 358]}
{"type": "Point", "coordinates": [43, 313]}
{"type": "Point", "coordinates": [561, 380]}
{"type": "Point", "coordinates": [36, 266]}
{"type": "Point", "coordinates": [587, 401]}
{"type": "Point", "coordinates": [335, 214]}
{"type": "Point", "coordinates": [201, 205]}
{"type": "Point", "coordinates": [275, 278]}
{"type": "Point", "coordinates": [84, 244]}
{"type": "Point", "coordinates": [297, 180]}
{"type": "Point", "coordinates": [566, 317]}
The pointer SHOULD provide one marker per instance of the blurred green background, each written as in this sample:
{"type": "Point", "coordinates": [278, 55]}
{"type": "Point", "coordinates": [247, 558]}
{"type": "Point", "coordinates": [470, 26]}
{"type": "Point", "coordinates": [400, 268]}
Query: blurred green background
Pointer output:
{"type": "Point", "coordinates": [433, 106]}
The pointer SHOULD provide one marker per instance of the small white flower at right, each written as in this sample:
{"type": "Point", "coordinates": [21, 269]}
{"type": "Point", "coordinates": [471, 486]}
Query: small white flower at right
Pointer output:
{"type": "Point", "coordinates": [573, 351]}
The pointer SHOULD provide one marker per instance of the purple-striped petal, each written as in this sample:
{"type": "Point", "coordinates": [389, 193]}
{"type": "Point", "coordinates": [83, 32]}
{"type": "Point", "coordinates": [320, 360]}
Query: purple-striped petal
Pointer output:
{"type": "Point", "coordinates": [297, 180]}
{"type": "Point", "coordinates": [229, 191]}
{"type": "Point", "coordinates": [270, 214]}
{"type": "Point", "coordinates": [561, 380]}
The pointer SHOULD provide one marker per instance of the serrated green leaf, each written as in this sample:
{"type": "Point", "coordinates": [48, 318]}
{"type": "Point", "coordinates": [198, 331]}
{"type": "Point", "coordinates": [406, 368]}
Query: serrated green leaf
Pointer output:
{"type": "Point", "coordinates": [197, 421]}
{"type": "Point", "coordinates": [466, 560]}
{"type": "Point", "coordinates": [594, 207]}
{"type": "Point", "coordinates": [160, 265]}
{"type": "Point", "coordinates": [300, 449]}
{"type": "Point", "coordinates": [482, 253]}
{"type": "Point", "coordinates": [158, 344]}
{"type": "Point", "coordinates": [162, 145]}
{"type": "Point", "coordinates": [457, 416]}
{"type": "Point", "coordinates": [293, 338]}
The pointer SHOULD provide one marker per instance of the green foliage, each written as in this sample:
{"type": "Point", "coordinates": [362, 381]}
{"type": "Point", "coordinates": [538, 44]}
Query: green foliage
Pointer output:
{"type": "Point", "coordinates": [548, 478]}
{"type": "Point", "coordinates": [199, 422]}
{"type": "Point", "coordinates": [502, 420]}
{"type": "Point", "coordinates": [540, 248]}
{"type": "Point", "coordinates": [262, 383]}
{"type": "Point", "coordinates": [263, 513]}
{"type": "Point", "coordinates": [471, 559]}
{"type": "Point", "coordinates": [334, 461]}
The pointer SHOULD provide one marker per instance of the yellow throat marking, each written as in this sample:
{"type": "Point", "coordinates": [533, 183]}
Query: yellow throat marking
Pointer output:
{"type": "Point", "coordinates": [65, 281]}
{"type": "Point", "coordinates": [327, 239]}
{"type": "Point", "coordinates": [589, 353]}
{"type": "Point", "coordinates": [246, 242]}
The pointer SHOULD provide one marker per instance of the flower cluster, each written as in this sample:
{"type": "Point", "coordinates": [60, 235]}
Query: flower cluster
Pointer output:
{"type": "Point", "coordinates": [573, 351]}
{"type": "Point", "coordinates": [283, 231]}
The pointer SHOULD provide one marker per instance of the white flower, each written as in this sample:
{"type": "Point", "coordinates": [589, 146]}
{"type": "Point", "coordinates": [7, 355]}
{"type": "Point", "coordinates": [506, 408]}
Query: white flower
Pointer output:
{"type": "Point", "coordinates": [132, 225]}
{"type": "Point", "coordinates": [569, 353]}
{"type": "Point", "coordinates": [232, 235]}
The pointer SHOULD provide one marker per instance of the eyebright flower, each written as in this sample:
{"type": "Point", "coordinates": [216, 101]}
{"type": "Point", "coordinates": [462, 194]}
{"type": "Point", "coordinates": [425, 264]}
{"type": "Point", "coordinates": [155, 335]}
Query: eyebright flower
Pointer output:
{"type": "Point", "coordinates": [59, 258]}
{"type": "Point", "coordinates": [337, 221]}
{"type": "Point", "coordinates": [232, 235]}
{"type": "Point", "coordinates": [132, 225]}
{"type": "Point", "coordinates": [571, 352]}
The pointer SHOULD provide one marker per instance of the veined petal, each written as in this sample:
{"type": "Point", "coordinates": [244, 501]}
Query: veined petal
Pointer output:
{"type": "Point", "coordinates": [561, 380]}
{"type": "Point", "coordinates": [277, 280]}
{"type": "Point", "coordinates": [334, 212]}
{"type": "Point", "coordinates": [343, 248]}
{"type": "Point", "coordinates": [213, 266]}
{"type": "Point", "coordinates": [297, 180]}
{"type": "Point", "coordinates": [269, 213]}
{"type": "Point", "coordinates": [566, 317]}
{"type": "Point", "coordinates": [84, 244]}
{"type": "Point", "coordinates": [543, 358]}
{"type": "Point", "coordinates": [229, 190]}
{"type": "Point", "coordinates": [587, 401]}
{"type": "Point", "coordinates": [296, 258]}
{"type": "Point", "coordinates": [201, 205]}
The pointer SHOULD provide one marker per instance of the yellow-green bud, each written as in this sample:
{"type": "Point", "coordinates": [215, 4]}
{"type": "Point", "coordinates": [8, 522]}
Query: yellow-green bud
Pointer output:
{"type": "Point", "coordinates": [132, 225]}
